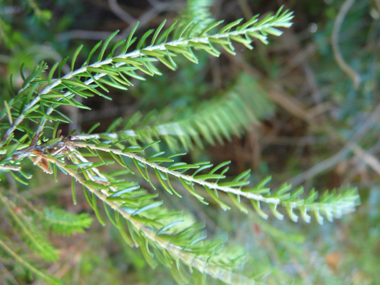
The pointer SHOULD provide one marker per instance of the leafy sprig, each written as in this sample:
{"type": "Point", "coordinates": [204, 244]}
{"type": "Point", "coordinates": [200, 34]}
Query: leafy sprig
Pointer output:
{"type": "Point", "coordinates": [331, 204]}
{"type": "Point", "coordinates": [152, 227]}
{"type": "Point", "coordinates": [114, 70]}
{"type": "Point", "coordinates": [142, 220]}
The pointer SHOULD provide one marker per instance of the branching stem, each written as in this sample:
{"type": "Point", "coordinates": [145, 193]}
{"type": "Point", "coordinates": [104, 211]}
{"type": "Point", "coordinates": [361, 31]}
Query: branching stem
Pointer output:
{"type": "Point", "coordinates": [187, 257]}
{"type": "Point", "coordinates": [134, 54]}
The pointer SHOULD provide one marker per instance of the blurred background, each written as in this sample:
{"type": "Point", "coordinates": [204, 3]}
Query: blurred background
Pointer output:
{"type": "Point", "coordinates": [314, 94]}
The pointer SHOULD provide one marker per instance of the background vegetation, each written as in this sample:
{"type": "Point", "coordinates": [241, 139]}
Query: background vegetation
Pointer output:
{"type": "Point", "coordinates": [316, 125]}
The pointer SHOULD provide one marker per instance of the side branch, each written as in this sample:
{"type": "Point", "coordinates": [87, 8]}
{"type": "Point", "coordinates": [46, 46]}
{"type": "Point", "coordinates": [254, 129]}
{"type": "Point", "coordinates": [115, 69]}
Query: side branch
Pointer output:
{"type": "Point", "coordinates": [285, 22]}
{"type": "Point", "coordinates": [187, 257]}
{"type": "Point", "coordinates": [153, 165]}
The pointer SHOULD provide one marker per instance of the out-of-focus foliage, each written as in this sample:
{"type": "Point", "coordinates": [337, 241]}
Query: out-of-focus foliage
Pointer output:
{"type": "Point", "coordinates": [185, 125]}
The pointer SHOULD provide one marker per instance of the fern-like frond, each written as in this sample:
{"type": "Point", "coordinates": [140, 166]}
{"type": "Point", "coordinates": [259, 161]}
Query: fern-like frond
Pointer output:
{"type": "Point", "coordinates": [59, 221]}
{"type": "Point", "coordinates": [62, 222]}
{"type": "Point", "coordinates": [216, 119]}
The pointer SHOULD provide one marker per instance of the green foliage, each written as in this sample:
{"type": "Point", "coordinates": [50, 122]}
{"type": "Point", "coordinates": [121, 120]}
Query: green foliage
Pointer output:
{"type": "Point", "coordinates": [31, 118]}
{"type": "Point", "coordinates": [27, 265]}
{"type": "Point", "coordinates": [62, 222]}
{"type": "Point", "coordinates": [197, 11]}
{"type": "Point", "coordinates": [32, 236]}
{"type": "Point", "coordinates": [216, 119]}
{"type": "Point", "coordinates": [115, 68]}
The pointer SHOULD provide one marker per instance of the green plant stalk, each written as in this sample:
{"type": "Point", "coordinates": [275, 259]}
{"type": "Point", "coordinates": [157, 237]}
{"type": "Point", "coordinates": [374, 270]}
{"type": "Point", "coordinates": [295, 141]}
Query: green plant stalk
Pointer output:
{"type": "Point", "coordinates": [24, 228]}
{"type": "Point", "coordinates": [183, 176]}
{"type": "Point", "coordinates": [187, 257]}
{"type": "Point", "coordinates": [331, 208]}
{"type": "Point", "coordinates": [28, 265]}
{"type": "Point", "coordinates": [318, 206]}
{"type": "Point", "coordinates": [134, 54]}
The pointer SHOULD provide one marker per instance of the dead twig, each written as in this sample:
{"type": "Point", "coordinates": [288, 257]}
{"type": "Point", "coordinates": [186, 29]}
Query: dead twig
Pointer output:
{"type": "Point", "coordinates": [335, 40]}
{"type": "Point", "coordinates": [290, 104]}
{"type": "Point", "coordinates": [118, 11]}
{"type": "Point", "coordinates": [342, 154]}
{"type": "Point", "coordinates": [367, 158]}
{"type": "Point", "coordinates": [377, 4]}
